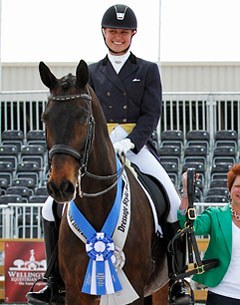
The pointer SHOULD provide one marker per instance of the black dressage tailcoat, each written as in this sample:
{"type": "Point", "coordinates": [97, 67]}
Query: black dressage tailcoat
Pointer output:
{"type": "Point", "coordinates": [134, 95]}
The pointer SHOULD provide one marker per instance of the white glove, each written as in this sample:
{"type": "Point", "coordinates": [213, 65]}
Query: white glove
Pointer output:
{"type": "Point", "coordinates": [123, 146]}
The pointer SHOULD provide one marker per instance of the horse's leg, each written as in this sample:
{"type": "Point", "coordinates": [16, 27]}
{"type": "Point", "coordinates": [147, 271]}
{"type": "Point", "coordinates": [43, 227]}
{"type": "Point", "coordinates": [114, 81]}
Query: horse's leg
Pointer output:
{"type": "Point", "coordinates": [148, 300]}
{"type": "Point", "coordinates": [73, 299]}
{"type": "Point", "coordinates": [76, 297]}
{"type": "Point", "coordinates": [161, 296]}
{"type": "Point", "coordinates": [61, 302]}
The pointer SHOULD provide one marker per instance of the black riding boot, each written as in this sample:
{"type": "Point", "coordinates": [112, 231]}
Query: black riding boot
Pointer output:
{"type": "Point", "coordinates": [178, 294]}
{"type": "Point", "coordinates": [54, 289]}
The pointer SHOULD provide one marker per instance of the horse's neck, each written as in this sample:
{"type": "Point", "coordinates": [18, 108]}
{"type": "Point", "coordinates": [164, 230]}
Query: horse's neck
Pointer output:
{"type": "Point", "coordinates": [103, 160]}
{"type": "Point", "coordinates": [103, 157]}
{"type": "Point", "coordinates": [102, 163]}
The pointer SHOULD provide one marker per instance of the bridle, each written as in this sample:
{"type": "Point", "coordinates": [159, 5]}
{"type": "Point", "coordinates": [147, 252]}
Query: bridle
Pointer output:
{"type": "Point", "coordinates": [83, 156]}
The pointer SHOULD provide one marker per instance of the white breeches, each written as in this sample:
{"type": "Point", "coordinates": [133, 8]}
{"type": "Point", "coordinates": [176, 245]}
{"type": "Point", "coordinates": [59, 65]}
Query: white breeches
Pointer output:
{"type": "Point", "coordinates": [47, 212]}
{"type": "Point", "coordinates": [147, 164]}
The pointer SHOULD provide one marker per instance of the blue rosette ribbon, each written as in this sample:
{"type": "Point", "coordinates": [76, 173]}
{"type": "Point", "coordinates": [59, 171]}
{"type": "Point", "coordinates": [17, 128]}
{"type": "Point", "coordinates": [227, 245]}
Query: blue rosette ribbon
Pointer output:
{"type": "Point", "coordinates": [100, 271]}
{"type": "Point", "coordinates": [101, 277]}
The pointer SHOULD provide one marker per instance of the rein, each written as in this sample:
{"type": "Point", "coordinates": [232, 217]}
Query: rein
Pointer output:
{"type": "Point", "coordinates": [83, 156]}
{"type": "Point", "coordinates": [116, 175]}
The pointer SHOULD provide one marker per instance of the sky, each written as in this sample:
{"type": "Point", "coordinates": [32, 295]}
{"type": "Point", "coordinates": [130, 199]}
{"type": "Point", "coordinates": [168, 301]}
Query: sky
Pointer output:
{"type": "Point", "coordinates": [67, 31]}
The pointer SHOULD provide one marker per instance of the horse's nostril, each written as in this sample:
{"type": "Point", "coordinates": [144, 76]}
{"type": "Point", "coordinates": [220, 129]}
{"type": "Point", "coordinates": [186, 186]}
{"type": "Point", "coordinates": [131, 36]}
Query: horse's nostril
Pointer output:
{"type": "Point", "coordinates": [63, 192]}
{"type": "Point", "coordinates": [67, 187]}
{"type": "Point", "coordinates": [51, 187]}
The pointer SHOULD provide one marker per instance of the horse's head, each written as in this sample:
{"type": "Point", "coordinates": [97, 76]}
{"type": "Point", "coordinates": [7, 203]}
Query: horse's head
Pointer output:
{"type": "Point", "coordinates": [69, 129]}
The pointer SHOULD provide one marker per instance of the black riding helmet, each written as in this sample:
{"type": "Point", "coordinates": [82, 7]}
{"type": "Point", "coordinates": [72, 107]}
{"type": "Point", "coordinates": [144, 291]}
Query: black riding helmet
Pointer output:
{"type": "Point", "coordinates": [119, 16]}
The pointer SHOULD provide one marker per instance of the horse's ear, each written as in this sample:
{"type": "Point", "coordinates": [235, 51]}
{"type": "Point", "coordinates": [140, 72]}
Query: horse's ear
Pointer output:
{"type": "Point", "coordinates": [82, 73]}
{"type": "Point", "coordinates": [47, 77]}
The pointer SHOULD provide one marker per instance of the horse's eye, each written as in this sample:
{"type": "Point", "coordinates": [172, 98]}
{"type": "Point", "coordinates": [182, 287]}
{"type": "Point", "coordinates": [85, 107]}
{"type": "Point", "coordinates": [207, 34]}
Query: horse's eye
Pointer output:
{"type": "Point", "coordinates": [83, 120]}
{"type": "Point", "coordinates": [82, 116]}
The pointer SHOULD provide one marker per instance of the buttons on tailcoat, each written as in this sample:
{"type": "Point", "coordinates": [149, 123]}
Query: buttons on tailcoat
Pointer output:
{"type": "Point", "coordinates": [120, 108]}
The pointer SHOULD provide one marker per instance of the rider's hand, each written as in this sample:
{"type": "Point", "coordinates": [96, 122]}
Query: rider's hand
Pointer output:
{"type": "Point", "coordinates": [123, 146]}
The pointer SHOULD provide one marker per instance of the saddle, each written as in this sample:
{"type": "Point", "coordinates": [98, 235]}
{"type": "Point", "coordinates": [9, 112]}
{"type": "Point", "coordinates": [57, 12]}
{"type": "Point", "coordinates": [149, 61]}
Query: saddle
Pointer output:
{"type": "Point", "coordinates": [157, 193]}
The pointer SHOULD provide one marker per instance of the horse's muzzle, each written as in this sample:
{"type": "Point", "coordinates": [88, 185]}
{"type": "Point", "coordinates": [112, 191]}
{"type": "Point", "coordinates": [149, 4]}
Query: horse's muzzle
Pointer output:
{"type": "Point", "coordinates": [65, 192]}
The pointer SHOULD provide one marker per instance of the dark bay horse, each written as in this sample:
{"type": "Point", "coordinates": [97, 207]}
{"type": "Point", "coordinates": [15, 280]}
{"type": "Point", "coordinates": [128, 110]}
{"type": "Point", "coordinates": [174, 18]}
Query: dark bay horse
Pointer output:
{"type": "Point", "coordinates": [85, 174]}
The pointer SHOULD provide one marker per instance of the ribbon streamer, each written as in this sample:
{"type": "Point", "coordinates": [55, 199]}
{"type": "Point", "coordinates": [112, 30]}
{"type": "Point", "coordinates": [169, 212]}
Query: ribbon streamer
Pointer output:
{"type": "Point", "coordinates": [101, 277]}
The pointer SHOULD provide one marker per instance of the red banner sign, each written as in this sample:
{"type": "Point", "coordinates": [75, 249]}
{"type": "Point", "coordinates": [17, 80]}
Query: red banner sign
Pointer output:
{"type": "Point", "coordinates": [24, 264]}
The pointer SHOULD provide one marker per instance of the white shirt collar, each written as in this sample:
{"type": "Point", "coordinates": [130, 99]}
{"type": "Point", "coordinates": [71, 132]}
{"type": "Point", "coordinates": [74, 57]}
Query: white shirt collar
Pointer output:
{"type": "Point", "coordinates": [118, 60]}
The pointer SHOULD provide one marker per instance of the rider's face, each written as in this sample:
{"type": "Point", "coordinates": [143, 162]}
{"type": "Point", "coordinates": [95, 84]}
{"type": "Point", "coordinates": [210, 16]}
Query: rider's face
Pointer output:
{"type": "Point", "coordinates": [118, 40]}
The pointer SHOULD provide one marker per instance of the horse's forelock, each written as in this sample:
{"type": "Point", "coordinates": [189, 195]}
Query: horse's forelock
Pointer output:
{"type": "Point", "coordinates": [67, 81]}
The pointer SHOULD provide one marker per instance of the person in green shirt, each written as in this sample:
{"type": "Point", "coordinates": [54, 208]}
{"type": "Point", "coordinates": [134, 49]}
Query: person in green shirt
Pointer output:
{"type": "Point", "coordinates": [222, 224]}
